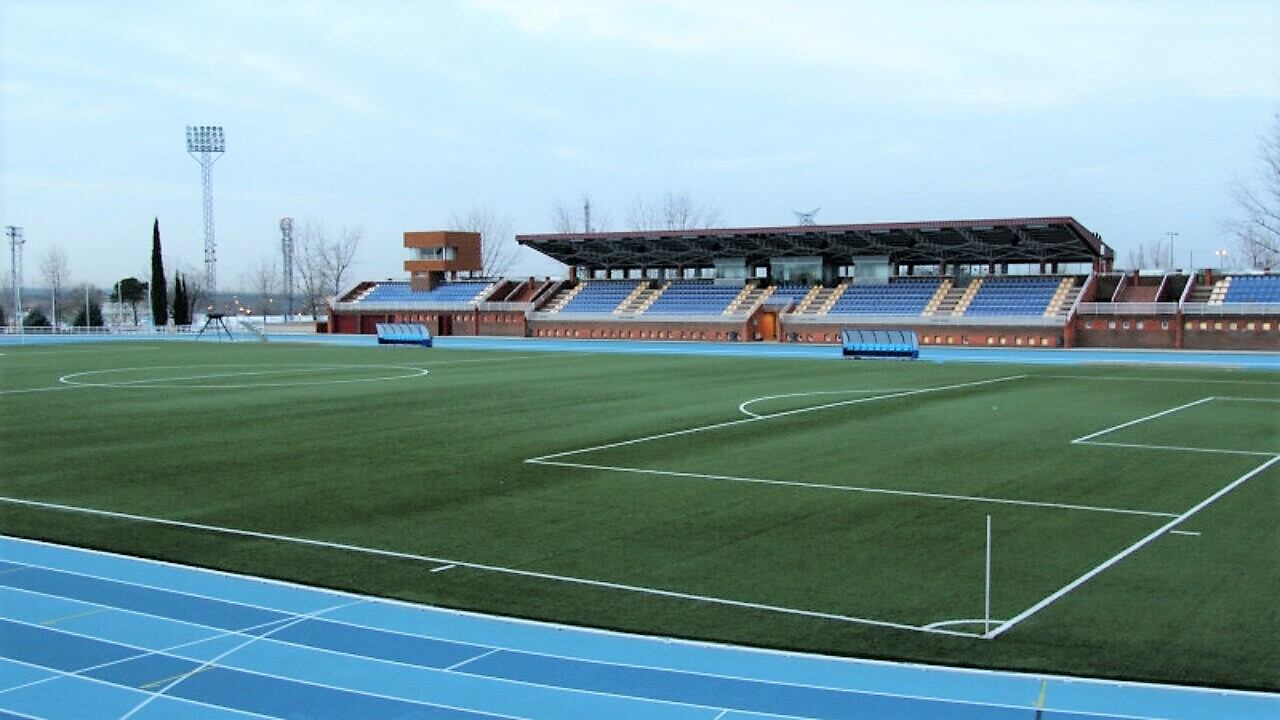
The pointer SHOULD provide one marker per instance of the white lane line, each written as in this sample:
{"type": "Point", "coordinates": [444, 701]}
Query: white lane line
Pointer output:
{"type": "Point", "coordinates": [427, 610]}
{"type": "Point", "coordinates": [471, 659]}
{"type": "Point", "coordinates": [537, 575]}
{"type": "Point", "coordinates": [853, 488]}
{"type": "Point", "coordinates": [785, 413]}
{"type": "Point", "coordinates": [1247, 399]}
{"type": "Point", "coordinates": [1152, 416]}
{"type": "Point", "coordinates": [442, 568]}
{"type": "Point", "coordinates": [246, 632]}
{"type": "Point", "coordinates": [1184, 532]}
{"type": "Point", "coordinates": [262, 673]}
{"type": "Point", "coordinates": [201, 667]}
{"type": "Point", "coordinates": [1094, 572]}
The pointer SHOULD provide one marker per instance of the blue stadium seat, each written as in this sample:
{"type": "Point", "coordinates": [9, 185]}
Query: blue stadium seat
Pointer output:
{"type": "Point", "coordinates": [1253, 289]}
{"type": "Point", "coordinates": [900, 296]}
{"type": "Point", "coordinates": [1013, 295]}
{"type": "Point", "coordinates": [461, 291]}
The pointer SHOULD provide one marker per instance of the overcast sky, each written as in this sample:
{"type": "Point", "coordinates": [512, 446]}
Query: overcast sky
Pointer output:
{"type": "Point", "coordinates": [1132, 117]}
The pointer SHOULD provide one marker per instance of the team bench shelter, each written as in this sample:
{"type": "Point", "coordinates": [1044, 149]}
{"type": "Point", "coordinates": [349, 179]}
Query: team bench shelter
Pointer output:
{"type": "Point", "coordinates": [880, 343]}
{"type": "Point", "coordinates": [403, 334]}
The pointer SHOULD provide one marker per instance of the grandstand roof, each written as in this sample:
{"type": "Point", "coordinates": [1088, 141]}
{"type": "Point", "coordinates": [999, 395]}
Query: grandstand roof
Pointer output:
{"type": "Point", "coordinates": [1008, 240]}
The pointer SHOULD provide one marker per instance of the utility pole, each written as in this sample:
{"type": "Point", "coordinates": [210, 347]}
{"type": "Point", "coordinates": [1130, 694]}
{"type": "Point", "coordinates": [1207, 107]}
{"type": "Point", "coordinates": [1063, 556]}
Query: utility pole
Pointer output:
{"type": "Point", "coordinates": [586, 215]}
{"type": "Point", "coordinates": [1171, 235]}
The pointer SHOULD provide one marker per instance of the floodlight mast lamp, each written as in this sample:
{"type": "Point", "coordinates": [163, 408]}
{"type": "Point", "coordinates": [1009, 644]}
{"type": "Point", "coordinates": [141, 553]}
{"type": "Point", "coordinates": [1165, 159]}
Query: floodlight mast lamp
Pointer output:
{"type": "Point", "coordinates": [286, 249]}
{"type": "Point", "coordinates": [205, 144]}
{"type": "Point", "coordinates": [16, 241]}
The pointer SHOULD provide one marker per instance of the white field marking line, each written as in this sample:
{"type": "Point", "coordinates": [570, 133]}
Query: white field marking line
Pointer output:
{"type": "Point", "coordinates": [442, 568]}
{"type": "Point", "coordinates": [1152, 416]}
{"type": "Point", "coordinates": [1155, 379]}
{"type": "Point", "coordinates": [259, 673]}
{"type": "Point", "coordinates": [946, 623]}
{"type": "Point", "coordinates": [1184, 532]}
{"type": "Point", "coordinates": [473, 615]}
{"type": "Point", "coordinates": [1140, 446]}
{"type": "Point", "coordinates": [639, 589]}
{"type": "Point", "coordinates": [743, 407]}
{"type": "Point", "coordinates": [143, 381]}
{"type": "Point", "coordinates": [1089, 575]}
{"type": "Point", "coordinates": [68, 348]}
{"type": "Point", "coordinates": [721, 714]}
{"type": "Point", "coordinates": [784, 413]}
{"type": "Point", "coordinates": [1246, 399]}
{"type": "Point", "coordinates": [70, 386]}
{"type": "Point", "coordinates": [38, 389]}
{"type": "Point", "coordinates": [854, 488]}
{"type": "Point", "coordinates": [70, 379]}
{"type": "Point", "coordinates": [201, 667]}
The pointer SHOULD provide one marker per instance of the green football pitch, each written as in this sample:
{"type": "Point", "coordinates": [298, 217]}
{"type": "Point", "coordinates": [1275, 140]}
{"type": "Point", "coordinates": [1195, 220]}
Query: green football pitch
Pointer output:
{"type": "Point", "coordinates": [837, 507]}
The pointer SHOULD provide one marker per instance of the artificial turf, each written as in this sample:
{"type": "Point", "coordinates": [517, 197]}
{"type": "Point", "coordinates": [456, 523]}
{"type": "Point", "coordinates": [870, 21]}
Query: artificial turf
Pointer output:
{"type": "Point", "coordinates": [359, 446]}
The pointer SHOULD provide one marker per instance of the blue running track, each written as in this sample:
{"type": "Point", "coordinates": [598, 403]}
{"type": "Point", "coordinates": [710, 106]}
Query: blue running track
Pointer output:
{"type": "Point", "coordinates": [87, 635]}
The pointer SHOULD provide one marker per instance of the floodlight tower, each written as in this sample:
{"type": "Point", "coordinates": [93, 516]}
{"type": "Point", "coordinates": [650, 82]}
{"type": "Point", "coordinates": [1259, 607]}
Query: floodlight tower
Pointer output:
{"type": "Point", "coordinates": [286, 249]}
{"type": "Point", "coordinates": [205, 144]}
{"type": "Point", "coordinates": [16, 241]}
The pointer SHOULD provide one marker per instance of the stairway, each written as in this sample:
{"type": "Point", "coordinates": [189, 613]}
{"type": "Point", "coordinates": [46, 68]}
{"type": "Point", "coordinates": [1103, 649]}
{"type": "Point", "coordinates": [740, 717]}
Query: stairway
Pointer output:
{"type": "Point", "coordinates": [966, 296]}
{"type": "Point", "coordinates": [1064, 298]}
{"type": "Point", "coordinates": [640, 299]}
{"type": "Point", "coordinates": [562, 297]}
{"type": "Point", "coordinates": [944, 289]}
{"type": "Point", "coordinates": [820, 299]}
{"type": "Point", "coordinates": [949, 300]}
{"type": "Point", "coordinates": [751, 295]}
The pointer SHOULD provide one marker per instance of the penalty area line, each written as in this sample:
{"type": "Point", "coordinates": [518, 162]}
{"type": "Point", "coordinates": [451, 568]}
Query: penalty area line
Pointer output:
{"type": "Point", "coordinates": [855, 488]}
{"type": "Point", "coordinates": [499, 569]}
{"type": "Point", "coordinates": [1141, 543]}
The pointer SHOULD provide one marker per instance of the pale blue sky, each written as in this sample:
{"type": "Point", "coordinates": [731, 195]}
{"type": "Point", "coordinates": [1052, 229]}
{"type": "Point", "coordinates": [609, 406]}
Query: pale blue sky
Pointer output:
{"type": "Point", "coordinates": [1132, 117]}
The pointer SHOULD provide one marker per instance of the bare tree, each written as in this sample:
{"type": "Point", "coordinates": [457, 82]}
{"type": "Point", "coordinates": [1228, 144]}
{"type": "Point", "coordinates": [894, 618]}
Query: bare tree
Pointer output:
{"type": "Point", "coordinates": [587, 218]}
{"type": "Point", "coordinates": [263, 280]}
{"type": "Point", "coordinates": [55, 269]}
{"type": "Point", "coordinates": [1142, 256]}
{"type": "Point", "coordinates": [324, 261]}
{"type": "Point", "coordinates": [195, 282]}
{"type": "Point", "coordinates": [498, 249]}
{"type": "Point", "coordinates": [339, 256]}
{"type": "Point", "coordinates": [309, 266]}
{"type": "Point", "coordinates": [1258, 231]}
{"type": "Point", "coordinates": [672, 211]}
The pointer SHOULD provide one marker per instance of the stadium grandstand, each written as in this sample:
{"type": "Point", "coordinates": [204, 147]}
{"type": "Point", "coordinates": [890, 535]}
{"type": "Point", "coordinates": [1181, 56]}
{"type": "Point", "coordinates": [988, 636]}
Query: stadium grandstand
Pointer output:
{"type": "Point", "coordinates": [1028, 282]}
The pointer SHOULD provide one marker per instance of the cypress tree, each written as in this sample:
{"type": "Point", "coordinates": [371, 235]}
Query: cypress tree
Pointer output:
{"type": "Point", "coordinates": [181, 308]}
{"type": "Point", "coordinates": [159, 292]}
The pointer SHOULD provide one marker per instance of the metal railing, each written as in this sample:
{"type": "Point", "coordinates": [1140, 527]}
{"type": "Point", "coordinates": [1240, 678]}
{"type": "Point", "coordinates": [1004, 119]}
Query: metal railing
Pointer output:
{"type": "Point", "coordinates": [1127, 308]}
{"type": "Point", "coordinates": [929, 320]}
{"type": "Point", "coordinates": [1237, 308]}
